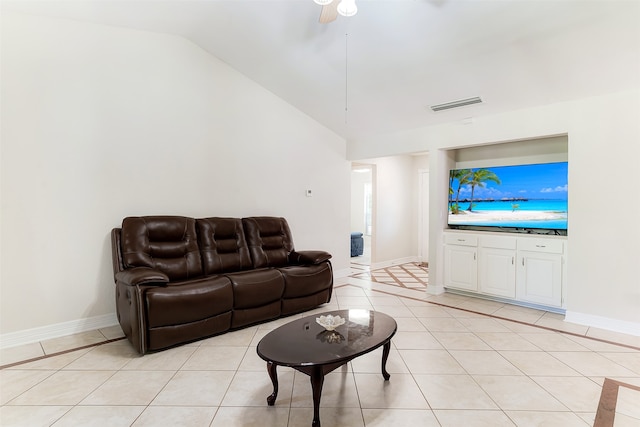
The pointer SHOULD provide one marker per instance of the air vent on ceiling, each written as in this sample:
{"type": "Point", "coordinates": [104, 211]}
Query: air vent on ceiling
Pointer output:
{"type": "Point", "coordinates": [456, 104]}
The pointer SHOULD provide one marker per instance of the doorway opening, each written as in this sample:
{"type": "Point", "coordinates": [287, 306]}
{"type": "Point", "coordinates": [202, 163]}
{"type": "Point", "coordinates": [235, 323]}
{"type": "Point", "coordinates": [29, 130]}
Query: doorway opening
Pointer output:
{"type": "Point", "coordinates": [362, 214]}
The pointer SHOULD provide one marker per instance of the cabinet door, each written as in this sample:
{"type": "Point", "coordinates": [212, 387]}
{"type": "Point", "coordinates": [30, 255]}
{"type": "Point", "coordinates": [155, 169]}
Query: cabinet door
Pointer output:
{"type": "Point", "coordinates": [460, 269]}
{"type": "Point", "coordinates": [497, 272]}
{"type": "Point", "coordinates": [540, 278]}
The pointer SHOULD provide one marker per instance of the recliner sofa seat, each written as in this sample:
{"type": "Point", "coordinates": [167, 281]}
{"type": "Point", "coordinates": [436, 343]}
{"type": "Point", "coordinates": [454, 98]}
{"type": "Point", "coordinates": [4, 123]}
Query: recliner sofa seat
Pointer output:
{"type": "Point", "coordinates": [180, 279]}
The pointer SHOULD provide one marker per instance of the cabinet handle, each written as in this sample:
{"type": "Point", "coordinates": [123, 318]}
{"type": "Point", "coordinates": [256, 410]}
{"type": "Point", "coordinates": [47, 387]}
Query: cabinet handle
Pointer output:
{"type": "Point", "coordinates": [462, 240]}
{"type": "Point", "coordinates": [541, 246]}
{"type": "Point", "coordinates": [523, 261]}
{"type": "Point", "coordinates": [512, 261]}
{"type": "Point", "coordinates": [474, 256]}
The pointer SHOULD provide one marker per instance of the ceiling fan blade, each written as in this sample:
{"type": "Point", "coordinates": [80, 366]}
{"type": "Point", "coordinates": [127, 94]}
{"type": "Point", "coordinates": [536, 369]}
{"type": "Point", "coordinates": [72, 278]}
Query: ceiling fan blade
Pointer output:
{"type": "Point", "coordinates": [329, 12]}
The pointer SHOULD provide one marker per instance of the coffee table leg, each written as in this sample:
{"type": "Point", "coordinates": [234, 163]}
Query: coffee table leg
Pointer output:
{"type": "Point", "coordinates": [385, 356]}
{"type": "Point", "coordinates": [317, 379]}
{"type": "Point", "coordinates": [271, 368]}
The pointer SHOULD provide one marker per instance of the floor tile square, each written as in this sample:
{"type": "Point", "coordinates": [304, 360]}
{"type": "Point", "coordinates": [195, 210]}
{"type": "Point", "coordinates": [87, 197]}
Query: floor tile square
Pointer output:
{"type": "Point", "coordinates": [129, 388]}
{"type": "Point", "coordinates": [267, 416]}
{"type": "Point", "coordinates": [478, 362]}
{"type": "Point", "coordinates": [628, 403]}
{"type": "Point", "coordinates": [399, 392]}
{"type": "Point", "coordinates": [15, 382]}
{"type": "Point", "coordinates": [329, 417]}
{"type": "Point", "coordinates": [547, 418]}
{"type": "Point", "coordinates": [474, 418]}
{"type": "Point", "coordinates": [429, 311]}
{"type": "Point", "coordinates": [28, 416]}
{"type": "Point", "coordinates": [460, 341]}
{"type": "Point", "coordinates": [483, 325]}
{"type": "Point", "coordinates": [518, 393]}
{"type": "Point", "coordinates": [553, 341]}
{"type": "Point", "coordinates": [538, 363]}
{"type": "Point", "coordinates": [453, 392]}
{"type": "Point", "coordinates": [592, 364]}
{"type": "Point", "coordinates": [176, 416]}
{"type": "Point", "coordinates": [415, 341]}
{"type": "Point", "coordinates": [168, 360]}
{"type": "Point", "coordinates": [443, 324]}
{"type": "Point", "coordinates": [104, 357]}
{"type": "Point", "coordinates": [399, 417]}
{"type": "Point", "coordinates": [408, 324]}
{"type": "Point", "coordinates": [221, 358]}
{"type": "Point", "coordinates": [372, 363]}
{"type": "Point", "coordinates": [63, 388]}
{"type": "Point", "coordinates": [579, 394]}
{"type": "Point", "coordinates": [99, 416]}
{"type": "Point", "coordinates": [252, 388]}
{"type": "Point", "coordinates": [506, 341]}
{"type": "Point", "coordinates": [431, 362]}
{"type": "Point", "coordinates": [194, 388]}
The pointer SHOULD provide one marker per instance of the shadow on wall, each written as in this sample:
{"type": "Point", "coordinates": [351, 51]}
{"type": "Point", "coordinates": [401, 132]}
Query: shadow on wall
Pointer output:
{"type": "Point", "coordinates": [105, 289]}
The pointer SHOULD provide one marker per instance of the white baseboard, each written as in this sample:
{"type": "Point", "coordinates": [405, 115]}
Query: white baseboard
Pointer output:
{"type": "Point", "coordinates": [615, 325]}
{"type": "Point", "coordinates": [57, 330]}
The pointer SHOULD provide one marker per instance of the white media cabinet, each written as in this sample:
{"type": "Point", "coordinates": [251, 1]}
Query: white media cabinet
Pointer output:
{"type": "Point", "coordinates": [523, 269]}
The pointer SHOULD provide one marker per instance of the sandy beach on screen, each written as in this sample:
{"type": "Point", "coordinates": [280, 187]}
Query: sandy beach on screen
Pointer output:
{"type": "Point", "coordinates": [517, 215]}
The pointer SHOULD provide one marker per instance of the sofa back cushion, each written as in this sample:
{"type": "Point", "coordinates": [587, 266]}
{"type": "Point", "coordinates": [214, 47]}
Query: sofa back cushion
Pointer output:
{"type": "Point", "coordinates": [222, 245]}
{"type": "Point", "coordinates": [166, 243]}
{"type": "Point", "coordinates": [269, 240]}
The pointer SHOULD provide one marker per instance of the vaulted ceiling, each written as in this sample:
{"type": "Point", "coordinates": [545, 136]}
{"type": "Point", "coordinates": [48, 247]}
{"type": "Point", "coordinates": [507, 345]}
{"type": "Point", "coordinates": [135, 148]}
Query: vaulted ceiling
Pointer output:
{"type": "Point", "coordinates": [380, 70]}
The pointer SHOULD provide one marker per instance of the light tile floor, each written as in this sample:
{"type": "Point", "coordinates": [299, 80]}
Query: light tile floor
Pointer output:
{"type": "Point", "coordinates": [455, 361]}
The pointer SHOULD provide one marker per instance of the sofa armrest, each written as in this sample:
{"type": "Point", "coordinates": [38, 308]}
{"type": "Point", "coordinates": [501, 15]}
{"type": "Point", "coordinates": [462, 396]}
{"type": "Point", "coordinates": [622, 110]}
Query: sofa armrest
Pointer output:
{"type": "Point", "coordinates": [142, 276]}
{"type": "Point", "coordinates": [308, 257]}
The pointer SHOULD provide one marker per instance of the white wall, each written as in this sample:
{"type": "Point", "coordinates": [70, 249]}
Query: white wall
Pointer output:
{"type": "Point", "coordinates": [358, 180]}
{"type": "Point", "coordinates": [604, 159]}
{"type": "Point", "coordinates": [99, 123]}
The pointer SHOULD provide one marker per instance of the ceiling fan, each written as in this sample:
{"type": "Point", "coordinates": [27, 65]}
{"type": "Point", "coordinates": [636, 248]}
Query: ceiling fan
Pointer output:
{"type": "Point", "coordinates": [331, 9]}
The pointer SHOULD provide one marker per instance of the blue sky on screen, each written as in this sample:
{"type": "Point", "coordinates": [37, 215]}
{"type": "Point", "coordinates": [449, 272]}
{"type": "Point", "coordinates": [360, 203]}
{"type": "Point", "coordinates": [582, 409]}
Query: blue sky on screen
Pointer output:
{"type": "Point", "coordinates": [537, 181]}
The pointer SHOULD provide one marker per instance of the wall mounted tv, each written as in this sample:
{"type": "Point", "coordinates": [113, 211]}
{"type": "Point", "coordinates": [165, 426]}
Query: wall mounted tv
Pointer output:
{"type": "Point", "coordinates": [527, 198]}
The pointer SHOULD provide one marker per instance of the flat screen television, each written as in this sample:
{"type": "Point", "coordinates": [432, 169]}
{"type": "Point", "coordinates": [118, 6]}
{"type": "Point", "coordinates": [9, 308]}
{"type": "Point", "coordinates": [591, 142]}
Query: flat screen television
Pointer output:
{"type": "Point", "coordinates": [527, 198]}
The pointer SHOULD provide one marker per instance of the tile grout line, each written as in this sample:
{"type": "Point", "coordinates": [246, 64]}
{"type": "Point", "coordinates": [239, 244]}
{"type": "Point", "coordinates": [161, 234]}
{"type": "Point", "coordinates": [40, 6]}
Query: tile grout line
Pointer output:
{"type": "Point", "coordinates": [59, 353]}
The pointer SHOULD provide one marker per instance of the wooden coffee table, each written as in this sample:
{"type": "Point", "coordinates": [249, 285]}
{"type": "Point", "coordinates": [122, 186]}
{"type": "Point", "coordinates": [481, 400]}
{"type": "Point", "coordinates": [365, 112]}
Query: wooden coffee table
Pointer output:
{"type": "Point", "coordinates": [307, 347]}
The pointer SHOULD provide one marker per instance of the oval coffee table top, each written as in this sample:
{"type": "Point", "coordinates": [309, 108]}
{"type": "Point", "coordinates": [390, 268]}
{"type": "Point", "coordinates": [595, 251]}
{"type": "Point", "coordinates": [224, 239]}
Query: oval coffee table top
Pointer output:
{"type": "Point", "coordinates": [303, 342]}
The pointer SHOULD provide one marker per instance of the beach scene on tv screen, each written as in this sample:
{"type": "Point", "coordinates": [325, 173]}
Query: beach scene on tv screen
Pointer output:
{"type": "Point", "coordinates": [522, 196]}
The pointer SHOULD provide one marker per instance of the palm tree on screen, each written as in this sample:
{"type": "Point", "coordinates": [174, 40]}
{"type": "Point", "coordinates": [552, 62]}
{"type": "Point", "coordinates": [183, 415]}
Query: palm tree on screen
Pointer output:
{"type": "Point", "coordinates": [462, 175]}
{"type": "Point", "coordinates": [478, 178]}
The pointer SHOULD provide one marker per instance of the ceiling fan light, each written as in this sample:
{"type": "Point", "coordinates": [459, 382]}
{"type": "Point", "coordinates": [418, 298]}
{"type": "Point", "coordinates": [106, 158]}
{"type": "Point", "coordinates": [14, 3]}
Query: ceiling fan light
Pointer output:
{"type": "Point", "coordinates": [323, 2]}
{"type": "Point", "coordinates": [347, 8]}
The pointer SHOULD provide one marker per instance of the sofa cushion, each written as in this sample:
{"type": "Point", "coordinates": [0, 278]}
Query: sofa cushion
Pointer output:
{"type": "Point", "coordinates": [222, 245]}
{"type": "Point", "coordinates": [306, 280]}
{"type": "Point", "coordinates": [256, 287]}
{"type": "Point", "coordinates": [186, 302]}
{"type": "Point", "coordinates": [166, 243]}
{"type": "Point", "coordinates": [269, 240]}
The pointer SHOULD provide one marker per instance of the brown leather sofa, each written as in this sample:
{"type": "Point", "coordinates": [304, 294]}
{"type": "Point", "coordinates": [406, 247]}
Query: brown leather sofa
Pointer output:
{"type": "Point", "coordinates": [180, 279]}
